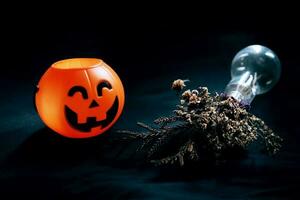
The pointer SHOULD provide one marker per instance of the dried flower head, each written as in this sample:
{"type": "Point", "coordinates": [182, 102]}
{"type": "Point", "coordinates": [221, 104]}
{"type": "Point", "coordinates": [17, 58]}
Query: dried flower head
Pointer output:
{"type": "Point", "coordinates": [194, 99]}
{"type": "Point", "coordinates": [178, 84]}
{"type": "Point", "coordinates": [186, 95]}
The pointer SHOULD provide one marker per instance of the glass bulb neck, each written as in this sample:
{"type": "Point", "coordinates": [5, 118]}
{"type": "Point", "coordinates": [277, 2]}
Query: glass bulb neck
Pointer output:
{"type": "Point", "coordinates": [242, 88]}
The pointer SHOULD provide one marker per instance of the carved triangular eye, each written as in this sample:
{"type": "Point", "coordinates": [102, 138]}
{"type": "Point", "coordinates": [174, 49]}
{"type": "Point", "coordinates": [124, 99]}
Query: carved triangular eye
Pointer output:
{"type": "Point", "coordinates": [101, 85]}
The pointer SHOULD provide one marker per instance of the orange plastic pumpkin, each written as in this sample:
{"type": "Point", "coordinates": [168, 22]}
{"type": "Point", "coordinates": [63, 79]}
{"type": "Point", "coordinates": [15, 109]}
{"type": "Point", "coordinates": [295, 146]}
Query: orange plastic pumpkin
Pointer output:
{"type": "Point", "coordinates": [80, 97]}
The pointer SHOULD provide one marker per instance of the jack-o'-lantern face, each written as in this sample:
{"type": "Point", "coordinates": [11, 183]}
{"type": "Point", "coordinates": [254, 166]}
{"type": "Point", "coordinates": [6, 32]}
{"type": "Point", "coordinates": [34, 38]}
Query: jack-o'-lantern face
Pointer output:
{"type": "Point", "coordinates": [80, 98]}
{"type": "Point", "coordinates": [76, 116]}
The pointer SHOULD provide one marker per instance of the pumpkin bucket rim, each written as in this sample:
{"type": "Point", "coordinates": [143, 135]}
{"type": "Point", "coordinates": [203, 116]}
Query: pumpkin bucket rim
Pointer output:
{"type": "Point", "coordinates": [77, 63]}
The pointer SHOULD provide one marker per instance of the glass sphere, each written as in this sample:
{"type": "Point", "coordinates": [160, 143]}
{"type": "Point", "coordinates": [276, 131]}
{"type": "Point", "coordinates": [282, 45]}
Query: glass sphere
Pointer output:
{"type": "Point", "coordinates": [261, 63]}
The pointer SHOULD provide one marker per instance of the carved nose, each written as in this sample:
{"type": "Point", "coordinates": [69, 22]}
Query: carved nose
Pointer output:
{"type": "Point", "coordinates": [93, 104]}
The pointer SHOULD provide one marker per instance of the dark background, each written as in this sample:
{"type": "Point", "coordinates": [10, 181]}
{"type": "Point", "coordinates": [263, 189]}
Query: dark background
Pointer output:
{"type": "Point", "coordinates": [148, 51]}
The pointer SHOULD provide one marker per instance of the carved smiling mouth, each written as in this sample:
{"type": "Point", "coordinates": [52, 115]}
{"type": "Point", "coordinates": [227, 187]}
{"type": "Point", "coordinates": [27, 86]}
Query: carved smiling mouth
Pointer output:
{"type": "Point", "coordinates": [91, 122]}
